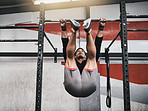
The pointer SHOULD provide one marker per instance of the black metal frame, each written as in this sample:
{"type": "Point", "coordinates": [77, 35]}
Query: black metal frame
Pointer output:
{"type": "Point", "coordinates": [137, 30]}
{"type": "Point", "coordinates": [60, 54]}
{"type": "Point", "coordinates": [81, 20]}
{"type": "Point", "coordinates": [137, 16]}
{"type": "Point", "coordinates": [19, 40]}
{"type": "Point", "coordinates": [18, 27]}
{"type": "Point", "coordinates": [40, 54]}
{"type": "Point", "coordinates": [40, 59]}
{"type": "Point", "coordinates": [123, 36]}
{"type": "Point", "coordinates": [125, 55]}
{"type": "Point", "coordinates": [55, 49]}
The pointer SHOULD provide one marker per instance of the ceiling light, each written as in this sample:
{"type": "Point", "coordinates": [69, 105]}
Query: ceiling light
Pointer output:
{"type": "Point", "coordinates": [50, 1]}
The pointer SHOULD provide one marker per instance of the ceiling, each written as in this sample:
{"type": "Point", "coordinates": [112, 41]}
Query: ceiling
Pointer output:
{"type": "Point", "coordinates": [18, 6]}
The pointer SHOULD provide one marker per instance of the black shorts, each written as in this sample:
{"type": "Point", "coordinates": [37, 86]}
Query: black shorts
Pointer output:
{"type": "Point", "coordinates": [80, 85]}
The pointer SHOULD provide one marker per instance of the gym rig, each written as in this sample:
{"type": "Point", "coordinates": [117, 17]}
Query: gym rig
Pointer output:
{"type": "Point", "coordinates": [41, 54]}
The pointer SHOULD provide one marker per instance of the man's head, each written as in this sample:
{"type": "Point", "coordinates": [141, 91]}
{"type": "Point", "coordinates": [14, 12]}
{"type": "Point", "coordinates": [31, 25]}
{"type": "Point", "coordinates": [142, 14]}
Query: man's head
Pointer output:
{"type": "Point", "coordinates": [80, 54]}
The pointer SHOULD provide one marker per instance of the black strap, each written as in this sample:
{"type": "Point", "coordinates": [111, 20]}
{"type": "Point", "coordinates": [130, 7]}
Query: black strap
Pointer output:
{"type": "Point", "coordinates": [108, 98]}
{"type": "Point", "coordinates": [101, 28]}
{"type": "Point", "coordinates": [63, 25]}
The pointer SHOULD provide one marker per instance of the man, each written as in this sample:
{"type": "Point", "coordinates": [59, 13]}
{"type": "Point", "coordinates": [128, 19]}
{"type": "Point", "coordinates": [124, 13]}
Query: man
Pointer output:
{"type": "Point", "coordinates": [80, 72]}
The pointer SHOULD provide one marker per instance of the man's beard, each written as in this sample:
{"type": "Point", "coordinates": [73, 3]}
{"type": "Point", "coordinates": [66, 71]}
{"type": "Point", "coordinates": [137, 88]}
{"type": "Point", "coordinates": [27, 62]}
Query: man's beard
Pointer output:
{"type": "Point", "coordinates": [80, 57]}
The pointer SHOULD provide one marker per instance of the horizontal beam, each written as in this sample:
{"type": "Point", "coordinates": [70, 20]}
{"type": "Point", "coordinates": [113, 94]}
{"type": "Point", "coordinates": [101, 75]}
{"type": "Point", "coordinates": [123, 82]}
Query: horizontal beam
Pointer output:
{"type": "Point", "coordinates": [137, 30]}
{"type": "Point", "coordinates": [18, 27]}
{"type": "Point", "coordinates": [59, 54]}
{"type": "Point", "coordinates": [130, 58]}
{"type": "Point", "coordinates": [137, 16]}
{"type": "Point", "coordinates": [81, 20]}
{"type": "Point", "coordinates": [20, 40]}
{"type": "Point", "coordinates": [27, 54]}
{"type": "Point", "coordinates": [129, 55]}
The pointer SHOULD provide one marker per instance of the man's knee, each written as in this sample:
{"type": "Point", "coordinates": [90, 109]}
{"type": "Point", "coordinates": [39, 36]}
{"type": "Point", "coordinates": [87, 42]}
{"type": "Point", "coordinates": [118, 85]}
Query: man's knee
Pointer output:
{"type": "Point", "coordinates": [92, 56]}
{"type": "Point", "coordinates": [77, 90]}
{"type": "Point", "coordinates": [87, 91]}
{"type": "Point", "coordinates": [73, 89]}
{"type": "Point", "coordinates": [70, 54]}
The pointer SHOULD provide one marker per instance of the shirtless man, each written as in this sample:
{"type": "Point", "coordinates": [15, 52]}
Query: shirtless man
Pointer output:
{"type": "Point", "coordinates": [80, 72]}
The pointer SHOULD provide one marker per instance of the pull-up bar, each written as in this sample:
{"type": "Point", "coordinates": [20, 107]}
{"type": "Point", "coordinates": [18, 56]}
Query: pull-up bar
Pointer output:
{"type": "Point", "coordinates": [137, 16]}
{"type": "Point", "coordinates": [18, 27]}
{"type": "Point", "coordinates": [81, 20]}
{"type": "Point", "coordinates": [60, 54]}
{"type": "Point", "coordinates": [19, 40]}
{"type": "Point", "coordinates": [137, 30]}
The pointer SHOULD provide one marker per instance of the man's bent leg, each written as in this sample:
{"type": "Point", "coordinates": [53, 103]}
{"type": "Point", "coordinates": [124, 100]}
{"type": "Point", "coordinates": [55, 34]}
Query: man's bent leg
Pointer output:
{"type": "Point", "coordinates": [89, 81]}
{"type": "Point", "coordinates": [72, 77]}
{"type": "Point", "coordinates": [72, 81]}
{"type": "Point", "coordinates": [71, 47]}
{"type": "Point", "coordinates": [90, 46]}
{"type": "Point", "coordinates": [91, 50]}
{"type": "Point", "coordinates": [89, 74]}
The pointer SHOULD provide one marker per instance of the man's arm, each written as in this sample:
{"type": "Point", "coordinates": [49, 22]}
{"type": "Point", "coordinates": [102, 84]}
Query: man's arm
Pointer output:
{"type": "Point", "coordinates": [64, 37]}
{"type": "Point", "coordinates": [99, 37]}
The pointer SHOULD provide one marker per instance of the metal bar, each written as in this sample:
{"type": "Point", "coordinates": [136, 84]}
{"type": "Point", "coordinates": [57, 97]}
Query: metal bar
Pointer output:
{"type": "Point", "coordinates": [129, 54]}
{"type": "Point", "coordinates": [19, 27]}
{"type": "Point", "coordinates": [137, 30]}
{"type": "Point", "coordinates": [137, 16]}
{"type": "Point", "coordinates": [19, 40]}
{"type": "Point", "coordinates": [55, 56]}
{"type": "Point", "coordinates": [55, 49]}
{"type": "Point", "coordinates": [81, 20]}
{"type": "Point", "coordinates": [113, 40]}
{"type": "Point", "coordinates": [60, 54]}
{"type": "Point", "coordinates": [40, 59]}
{"type": "Point", "coordinates": [28, 54]}
{"type": "Point", "coordinates": [49, 41]}
{"type": "Point", "coordinates": [123, 35]}
{"type": "Point", "coordinates": [131, 59]}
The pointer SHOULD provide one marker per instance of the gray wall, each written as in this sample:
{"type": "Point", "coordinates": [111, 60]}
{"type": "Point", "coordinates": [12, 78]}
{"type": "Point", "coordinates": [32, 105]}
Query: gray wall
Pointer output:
{"type": "Point", "coordinates": [18, 85]}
